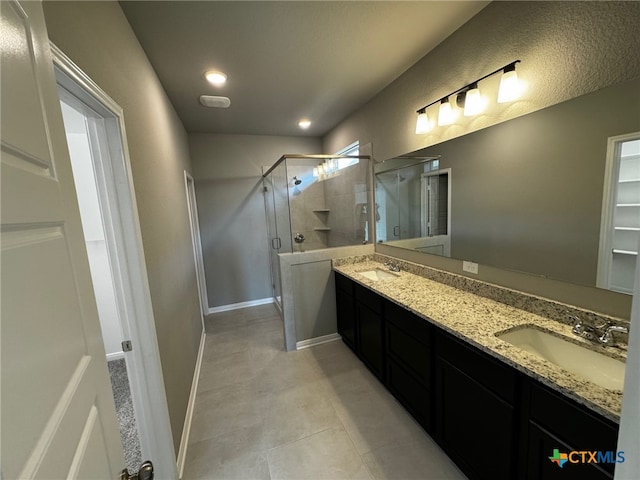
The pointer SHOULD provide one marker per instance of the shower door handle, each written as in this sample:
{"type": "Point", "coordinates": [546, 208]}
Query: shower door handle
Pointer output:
{"type": "Point", "coordinates": [276, 243]}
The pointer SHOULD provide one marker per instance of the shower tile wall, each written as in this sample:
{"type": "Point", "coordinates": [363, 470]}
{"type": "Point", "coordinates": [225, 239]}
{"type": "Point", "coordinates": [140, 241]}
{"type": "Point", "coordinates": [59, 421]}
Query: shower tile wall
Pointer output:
{"type": "Point", "coordinates": [304, 201]}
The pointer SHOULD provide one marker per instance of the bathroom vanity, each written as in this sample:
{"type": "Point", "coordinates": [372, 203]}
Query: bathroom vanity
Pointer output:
{"type": "Point", "coordinates": [498, 411]}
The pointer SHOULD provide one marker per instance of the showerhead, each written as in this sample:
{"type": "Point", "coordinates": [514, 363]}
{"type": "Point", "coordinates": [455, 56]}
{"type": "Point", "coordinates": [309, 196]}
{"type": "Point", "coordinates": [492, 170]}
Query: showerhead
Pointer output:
{"type": "Point", "coordinates": [296, 181]}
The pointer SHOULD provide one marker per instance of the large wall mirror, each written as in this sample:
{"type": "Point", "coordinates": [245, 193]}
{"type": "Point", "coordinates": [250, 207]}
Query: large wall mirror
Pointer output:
{"type": "Point", "coordinates": [526, 194]}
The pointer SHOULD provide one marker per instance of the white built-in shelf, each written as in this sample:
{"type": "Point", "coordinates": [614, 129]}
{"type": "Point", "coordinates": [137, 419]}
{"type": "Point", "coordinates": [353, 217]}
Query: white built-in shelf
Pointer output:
{"type": "Point", "coordinates": [628, 229]}
{"type": "Point", "coordinates": [625, 252]}
{"type": "Point", "coordinates": [321, 210]}
{"type": "Point", "coordinates": [630, 180]}
{"type": "Point", "coordinates": [627, 204]}
{"type": "Point", "coordinates": [322, 229]}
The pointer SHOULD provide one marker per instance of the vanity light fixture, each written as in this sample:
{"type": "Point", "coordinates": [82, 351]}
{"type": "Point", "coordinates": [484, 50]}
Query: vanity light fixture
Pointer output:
{"type": "Point", "coordinates": [510, 88]}
{"type": "Point", "coordinates": [422, 124]}
{"type": "Point", "coordinates": [473, 101]}
{"type": "Point", "coordinates": [469, 95]}
{"type": "Point", "coordinates": [445, 114]}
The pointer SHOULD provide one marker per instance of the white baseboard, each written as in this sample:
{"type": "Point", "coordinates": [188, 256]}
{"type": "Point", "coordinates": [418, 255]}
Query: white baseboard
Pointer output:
{"type": "Point", "coordinates": [236, 306]}
{"type": "Point", "coordinates": [186, 430]}
{"type": "Point", "coordinates": [312, 342]}
{"type": "Point", "coordinates": [115, 356]}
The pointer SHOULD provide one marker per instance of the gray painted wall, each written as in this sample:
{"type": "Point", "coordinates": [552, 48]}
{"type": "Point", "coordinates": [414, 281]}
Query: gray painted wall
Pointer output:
{"type": "Point", "coordinates": [98, 38]}
{"type": "Point", "coordinates": [567, 49]}
{"type": "Point", "coordinates": [227, 170]}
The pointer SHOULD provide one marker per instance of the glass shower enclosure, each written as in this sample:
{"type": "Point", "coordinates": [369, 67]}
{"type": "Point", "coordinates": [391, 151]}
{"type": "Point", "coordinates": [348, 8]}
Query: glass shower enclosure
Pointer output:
{"type": "Point", "coordinates": [315, 202]}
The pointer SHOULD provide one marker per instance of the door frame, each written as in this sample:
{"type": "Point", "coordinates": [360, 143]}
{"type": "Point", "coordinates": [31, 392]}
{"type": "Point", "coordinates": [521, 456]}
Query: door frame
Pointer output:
{"type": "Point", "coordinates": [423, 196]}
{"type": "Point", "coordinates": [196, 239]}
{"type": "Point", "coordinates": [127, 255]}
{"type": "Point", "coordinates": [610, 190]}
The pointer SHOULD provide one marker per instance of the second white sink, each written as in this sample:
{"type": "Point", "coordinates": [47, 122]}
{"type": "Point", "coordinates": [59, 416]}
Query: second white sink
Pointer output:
{"type": "Point", "coordinates": [378, 274]}
{"type": "Point", "coordinates": [600, 369]}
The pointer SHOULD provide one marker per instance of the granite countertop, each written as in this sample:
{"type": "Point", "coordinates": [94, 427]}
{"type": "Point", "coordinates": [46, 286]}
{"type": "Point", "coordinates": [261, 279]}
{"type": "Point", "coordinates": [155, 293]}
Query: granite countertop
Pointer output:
{"type": "Point", "coordinates": [476, 320]}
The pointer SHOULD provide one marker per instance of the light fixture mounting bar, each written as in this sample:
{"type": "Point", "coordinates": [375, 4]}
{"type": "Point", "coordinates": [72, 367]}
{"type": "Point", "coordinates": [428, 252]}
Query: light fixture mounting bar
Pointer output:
{"type": "Point", "coordinates": [501, 69]}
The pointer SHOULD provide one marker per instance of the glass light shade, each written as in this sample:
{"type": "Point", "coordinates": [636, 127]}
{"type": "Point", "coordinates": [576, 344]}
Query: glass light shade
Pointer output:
{"type": "Point", "coordinates": [473, 103]}
{"type": "Point", "coordinates": [315, 172]}
{"type": "Point", "coordinates": [422, 123]}
{"type": "Point", "coordinates": [445, 115]}
{"type": "Point", "coordinates": [510, 88]}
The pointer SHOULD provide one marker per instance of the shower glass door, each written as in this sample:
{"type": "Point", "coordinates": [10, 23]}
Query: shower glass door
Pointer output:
{"type": "Point", "coordinates": [278, 224]}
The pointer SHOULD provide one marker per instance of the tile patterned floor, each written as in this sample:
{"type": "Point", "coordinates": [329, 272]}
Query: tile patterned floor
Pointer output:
{"type": "Point", "coordinates": [263, 413]}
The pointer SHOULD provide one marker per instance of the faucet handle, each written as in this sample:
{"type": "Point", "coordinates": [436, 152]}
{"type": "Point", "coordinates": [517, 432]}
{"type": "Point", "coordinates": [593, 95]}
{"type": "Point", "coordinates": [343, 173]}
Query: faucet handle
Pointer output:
{"type": "Point", "coordinates": [578, 325]}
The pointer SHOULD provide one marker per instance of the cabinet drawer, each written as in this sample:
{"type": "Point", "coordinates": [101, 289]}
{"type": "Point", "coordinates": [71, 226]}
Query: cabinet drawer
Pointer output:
{"type": "Point", "coordinates": [494, 375]}
{"type": "Point", "coordinates": [343, 283]}
{"type": "Point", "coordinates": [577, 427]}
{"type": "Point", "coordinates": [412, 394]}
{"type": "Point", "coordinates": [416, 327]}
{"type": "Point", "coordinates": [369, 298]}
{"type": "Point", "coordinates": [410, 352]}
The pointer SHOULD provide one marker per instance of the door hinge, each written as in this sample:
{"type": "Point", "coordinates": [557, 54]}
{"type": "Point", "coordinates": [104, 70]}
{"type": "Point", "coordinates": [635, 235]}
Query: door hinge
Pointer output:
{"type": "Point", "coordinates": [127, 346]}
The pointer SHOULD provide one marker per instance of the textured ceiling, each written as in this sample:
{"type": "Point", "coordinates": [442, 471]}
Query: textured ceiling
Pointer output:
{"type": "Point", "coordinates": [286, 60]}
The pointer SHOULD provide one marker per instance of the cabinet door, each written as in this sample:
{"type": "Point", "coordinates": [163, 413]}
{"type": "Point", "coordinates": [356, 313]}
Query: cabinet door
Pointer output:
{"type": "Point", "coordinates": [370, 339]}
{"type": "Point", "coordinates": [542, 444]}
{"type": "Point", "coordinates": [413, 395]}
{"type": "Point", "coordinates": [558, 422]}
{"type": "Point", "coordinates": [474, 426]}
{"type": "Point", "coordinates": [346, 312]}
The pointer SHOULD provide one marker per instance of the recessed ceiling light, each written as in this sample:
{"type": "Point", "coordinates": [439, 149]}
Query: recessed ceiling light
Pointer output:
{"type": "Point", "coordinates": [215, 102]}
{"type": "Point", "coordinates": [304, 123]}
{"type": "Point", "coordinates": [215, 77]}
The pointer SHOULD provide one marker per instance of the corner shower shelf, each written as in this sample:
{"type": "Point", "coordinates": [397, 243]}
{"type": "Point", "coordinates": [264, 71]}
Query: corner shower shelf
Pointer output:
{"type": "Point", "coordinates": [322, 229]}
{"type": "Point", "coordinates": [321, 210]}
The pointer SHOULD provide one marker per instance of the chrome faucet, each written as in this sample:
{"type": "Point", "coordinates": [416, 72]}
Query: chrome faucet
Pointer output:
{"type": "Point", "coordinates": [602, 334]}
{"type": "Point", "coordinates": [393, 267]}
{"type": "Point", "coordinates": [607, 337]}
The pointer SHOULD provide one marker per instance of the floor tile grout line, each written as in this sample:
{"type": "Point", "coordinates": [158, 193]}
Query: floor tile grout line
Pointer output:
{"type": "Point", "coordinates": [306, 437]}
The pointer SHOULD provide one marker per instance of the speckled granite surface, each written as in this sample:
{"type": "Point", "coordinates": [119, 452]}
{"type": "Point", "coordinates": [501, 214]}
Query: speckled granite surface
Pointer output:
{"type": "Point", "coordinates": [126, 415]}
{"type": "Point", "coordinates": [476, 319]}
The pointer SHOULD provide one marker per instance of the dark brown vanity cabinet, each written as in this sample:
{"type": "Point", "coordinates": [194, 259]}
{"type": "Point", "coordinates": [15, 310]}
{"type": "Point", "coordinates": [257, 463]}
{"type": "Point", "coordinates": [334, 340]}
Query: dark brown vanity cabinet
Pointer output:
{"type": "Point", "coordinates": [410, 361]}
{"type": "Point", "coordinates": [346, 310]}
{"type": "Point", "coordinates": [476, 412]}
{"type": "Point", "coordinates": [370, 330]}
{"type": "Point", "coordinates": [360, 323]}
{"type": "Point", "coordinates": [493, 421]}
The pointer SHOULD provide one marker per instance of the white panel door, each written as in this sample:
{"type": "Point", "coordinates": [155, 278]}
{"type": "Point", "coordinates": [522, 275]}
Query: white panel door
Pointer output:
{"type": "Point", "coordinates": [58, 416]}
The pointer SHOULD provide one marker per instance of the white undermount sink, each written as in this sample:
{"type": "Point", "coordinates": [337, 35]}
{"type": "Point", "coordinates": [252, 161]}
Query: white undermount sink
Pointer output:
{"type": "Point", "coordinates": [378, 274]}
{"type": "Point", "coordinates": [600, 369]}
